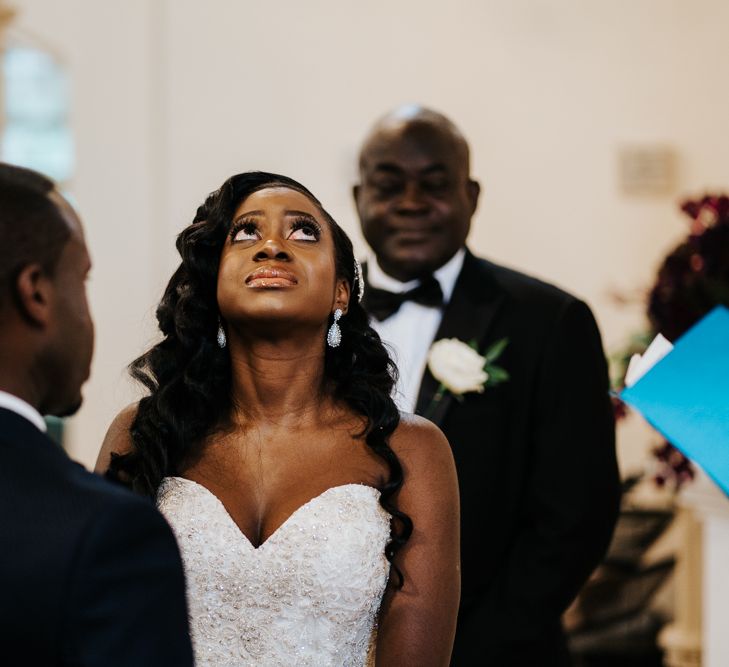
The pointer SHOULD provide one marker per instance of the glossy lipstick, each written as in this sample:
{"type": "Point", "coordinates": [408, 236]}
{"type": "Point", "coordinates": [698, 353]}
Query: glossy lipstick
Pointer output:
{"type": "Point", "coordinates": [265, 277]}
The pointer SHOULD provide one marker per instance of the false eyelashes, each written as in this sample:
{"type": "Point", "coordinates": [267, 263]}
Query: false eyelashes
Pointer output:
{"type": "Point", "coordinates": [251, 227]}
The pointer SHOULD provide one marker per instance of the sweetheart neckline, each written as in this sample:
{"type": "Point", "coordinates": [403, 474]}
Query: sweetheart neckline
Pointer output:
{"type": "Point", "coordinates": [299, 509]}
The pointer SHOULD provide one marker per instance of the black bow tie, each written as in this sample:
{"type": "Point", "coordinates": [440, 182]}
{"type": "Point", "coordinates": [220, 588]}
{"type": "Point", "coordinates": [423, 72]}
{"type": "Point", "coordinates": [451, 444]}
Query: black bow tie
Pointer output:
{"type": "Point", "coordinates": [381, 304]}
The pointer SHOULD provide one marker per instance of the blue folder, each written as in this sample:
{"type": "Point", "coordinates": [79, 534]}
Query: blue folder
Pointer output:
{"type": "Point", "coordinates": [685, 395]}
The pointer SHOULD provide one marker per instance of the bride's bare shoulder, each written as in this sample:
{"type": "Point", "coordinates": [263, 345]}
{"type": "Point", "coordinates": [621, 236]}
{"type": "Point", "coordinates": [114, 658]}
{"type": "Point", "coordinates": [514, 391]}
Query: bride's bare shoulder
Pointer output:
{"type": "Point", "coordinates": [421, 446]}
{"type": "Point", "coordinates": [429, 493]}
{"type": "Point", "coordinates": [118, 439]}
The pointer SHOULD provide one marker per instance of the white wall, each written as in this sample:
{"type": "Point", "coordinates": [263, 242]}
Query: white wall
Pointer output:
{"type": "Point", "coordinates": [173, 96]}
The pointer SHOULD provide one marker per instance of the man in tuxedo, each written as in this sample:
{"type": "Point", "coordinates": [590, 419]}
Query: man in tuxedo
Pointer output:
{"type": "Point", "coordinates": [90, 574]}
{"type": "Point", "coordinates": [535, 454]}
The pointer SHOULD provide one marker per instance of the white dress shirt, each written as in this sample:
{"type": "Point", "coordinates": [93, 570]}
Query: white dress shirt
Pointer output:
{"type": "Point", "coordinates": [20, 407]}
{"type": "Point", "coordinates": [410, 331]}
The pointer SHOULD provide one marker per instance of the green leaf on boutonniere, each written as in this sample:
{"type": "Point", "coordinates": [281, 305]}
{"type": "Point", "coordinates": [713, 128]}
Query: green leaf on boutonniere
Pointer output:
{"type": "Point", "coordinates": [495, 350]}
{"type": "Point", "coordinates": [497, 375]}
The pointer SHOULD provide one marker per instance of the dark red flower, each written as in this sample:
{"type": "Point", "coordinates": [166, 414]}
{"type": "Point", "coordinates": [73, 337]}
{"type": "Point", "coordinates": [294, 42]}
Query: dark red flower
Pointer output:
{"type": "Point", "coordinates": [620, 410]}
{"type": "Point", "coordinates": [673, 466]}
{"type": "Point", "coordinates": [694, 277]}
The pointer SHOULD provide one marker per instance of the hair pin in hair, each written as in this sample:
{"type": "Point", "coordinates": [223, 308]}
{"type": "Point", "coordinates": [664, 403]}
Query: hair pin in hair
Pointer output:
{"type": "Point", "coordinates": [360, 280]}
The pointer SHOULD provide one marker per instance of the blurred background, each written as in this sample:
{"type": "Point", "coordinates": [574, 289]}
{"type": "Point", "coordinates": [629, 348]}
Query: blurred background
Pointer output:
{"type": "Point", "coordinates": [590, 121]}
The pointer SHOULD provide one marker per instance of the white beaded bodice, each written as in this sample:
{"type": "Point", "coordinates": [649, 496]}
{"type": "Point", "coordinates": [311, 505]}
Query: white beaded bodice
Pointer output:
{"type": "Point", "coordinates": [309, 595]}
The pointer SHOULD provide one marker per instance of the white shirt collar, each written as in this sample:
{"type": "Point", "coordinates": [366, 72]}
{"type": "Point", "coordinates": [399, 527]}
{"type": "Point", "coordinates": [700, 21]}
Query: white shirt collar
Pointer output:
{"type": "Point", "coordinates": [446, 276]}
{"type": "Point", "coordinates": [20, 407]}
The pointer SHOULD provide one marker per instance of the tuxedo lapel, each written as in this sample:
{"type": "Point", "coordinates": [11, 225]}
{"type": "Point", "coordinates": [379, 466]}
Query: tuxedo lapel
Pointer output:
{"type": "Point", "coordinates": [474, 303]}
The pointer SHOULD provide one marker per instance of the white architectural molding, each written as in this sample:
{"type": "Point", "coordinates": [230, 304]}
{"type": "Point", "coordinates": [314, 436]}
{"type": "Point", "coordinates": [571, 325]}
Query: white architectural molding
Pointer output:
{"type": "Point", "coordinates": [698, 635]}
{"type": "Point", "coordinates": [711, 507]}
{"type": "Point", "coordinates": [682, 640]}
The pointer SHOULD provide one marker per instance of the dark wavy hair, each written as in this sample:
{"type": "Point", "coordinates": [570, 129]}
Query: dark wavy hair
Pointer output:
{"type": "Point", "coordinates": [189, 378]}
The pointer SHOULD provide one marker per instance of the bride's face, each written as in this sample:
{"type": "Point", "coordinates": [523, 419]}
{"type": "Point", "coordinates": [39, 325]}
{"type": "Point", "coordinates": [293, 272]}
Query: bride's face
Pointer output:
{"type": "Point", "coordinates": [277, 265]}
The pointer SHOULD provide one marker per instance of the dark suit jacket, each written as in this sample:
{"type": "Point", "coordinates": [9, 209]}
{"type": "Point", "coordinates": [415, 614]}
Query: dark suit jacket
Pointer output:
{"type": "Point", "coordinates": [536, 464]}
{"type": "Point", "coordinates": [89, 573]}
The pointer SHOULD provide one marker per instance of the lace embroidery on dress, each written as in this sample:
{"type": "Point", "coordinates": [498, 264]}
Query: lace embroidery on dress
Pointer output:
{"type": "Point", "coordinates": [309, 595]}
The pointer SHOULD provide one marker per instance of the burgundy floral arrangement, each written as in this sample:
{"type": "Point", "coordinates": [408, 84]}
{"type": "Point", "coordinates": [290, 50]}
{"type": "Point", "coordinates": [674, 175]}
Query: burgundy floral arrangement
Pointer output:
{"type": "Point", "coordinates": [695, 276]}
{"type": "Point", "coordinates": [692, 280]}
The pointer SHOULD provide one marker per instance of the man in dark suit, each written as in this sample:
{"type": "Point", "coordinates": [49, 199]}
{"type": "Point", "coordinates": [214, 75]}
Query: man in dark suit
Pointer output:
{"type": "Point", "coordinates": [89, 573]}
{"type": "Point", "coordinates": [535, 454]}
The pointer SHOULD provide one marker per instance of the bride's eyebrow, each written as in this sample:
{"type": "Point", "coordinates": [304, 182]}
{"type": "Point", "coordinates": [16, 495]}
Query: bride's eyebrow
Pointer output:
{"type": "Point", "coordinates": [249, 214]}
{"type": "Point", "coordinates": [302, 214]}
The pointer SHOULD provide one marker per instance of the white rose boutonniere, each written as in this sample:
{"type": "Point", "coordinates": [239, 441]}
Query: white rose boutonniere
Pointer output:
{"type": "Point", "coordinates": [457, 366]}
{"type": "Point", "coordinates": [460, 368]}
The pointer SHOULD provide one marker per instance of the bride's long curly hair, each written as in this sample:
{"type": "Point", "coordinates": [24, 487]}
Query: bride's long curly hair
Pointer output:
{"type": "Point", "coordinates": [188, 375]}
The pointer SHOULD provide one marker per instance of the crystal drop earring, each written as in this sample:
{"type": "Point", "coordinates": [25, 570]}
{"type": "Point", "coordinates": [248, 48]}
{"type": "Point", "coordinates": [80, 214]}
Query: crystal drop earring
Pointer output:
{"type": "Point", "coordinates": [334, 335]}
{"type": "Point", "coordinates": [222, 339]}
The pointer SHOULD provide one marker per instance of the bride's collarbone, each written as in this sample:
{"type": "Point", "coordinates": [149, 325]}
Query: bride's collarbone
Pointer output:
{"type": "Point", "coordinates": [262, 487]}
{"type": "Point", "coordinates": [258, 452]}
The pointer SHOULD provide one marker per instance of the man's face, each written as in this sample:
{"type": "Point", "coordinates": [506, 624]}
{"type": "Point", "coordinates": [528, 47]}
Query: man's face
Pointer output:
{"type": "Point", "coordinates": [67, 357]}
{"type": "Point", "coordinates": [415, 200]}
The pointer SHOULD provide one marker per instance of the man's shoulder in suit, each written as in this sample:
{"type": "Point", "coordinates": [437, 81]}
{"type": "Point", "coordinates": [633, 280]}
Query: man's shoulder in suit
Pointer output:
{"type": "Point", "coordinates": [525, 292]}
{"type": "Point", "coordinates": [39, 475]}
{"type": "Point", "coordinates": [522, 285]}
{"type": "Point", "coordinates": [67, 530]}
{"type": "Point", "coordinates": [49, 504]}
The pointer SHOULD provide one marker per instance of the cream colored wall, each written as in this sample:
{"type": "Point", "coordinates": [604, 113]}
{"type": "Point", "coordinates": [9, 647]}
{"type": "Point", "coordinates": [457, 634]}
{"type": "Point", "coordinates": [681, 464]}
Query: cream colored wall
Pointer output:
{"type": "Point", "coordinates": [172, 96]}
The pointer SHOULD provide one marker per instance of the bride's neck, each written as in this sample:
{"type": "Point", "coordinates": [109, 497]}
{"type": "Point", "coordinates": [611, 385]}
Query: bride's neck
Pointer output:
{"type": "Point", "coordinates": [277, 381]}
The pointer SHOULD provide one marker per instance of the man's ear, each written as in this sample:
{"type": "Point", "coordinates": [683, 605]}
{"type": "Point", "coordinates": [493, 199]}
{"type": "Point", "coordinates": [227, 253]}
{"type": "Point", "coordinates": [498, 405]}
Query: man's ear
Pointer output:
{"type": "Point", "coordinates": [341, 295]}
{"type": "Point", "coordinates": [32, 292]}
{"type": "Point", "coordinates": [474, 190]}
{"type": "Point", "coordinates": [356, 189]}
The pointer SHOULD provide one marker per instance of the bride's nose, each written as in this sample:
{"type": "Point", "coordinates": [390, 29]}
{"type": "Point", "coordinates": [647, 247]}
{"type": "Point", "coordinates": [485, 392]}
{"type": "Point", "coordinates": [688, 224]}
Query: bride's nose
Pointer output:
{"type": "Point", "coordinates": [273, 248]}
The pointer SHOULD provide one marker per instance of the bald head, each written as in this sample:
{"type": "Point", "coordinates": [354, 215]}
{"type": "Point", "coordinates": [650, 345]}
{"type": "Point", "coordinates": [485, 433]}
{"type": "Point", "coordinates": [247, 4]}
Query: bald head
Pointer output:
{"type": "Point", "coordinates": [416, 123]}
{"type": "Point", "coordinates": [416, 198]}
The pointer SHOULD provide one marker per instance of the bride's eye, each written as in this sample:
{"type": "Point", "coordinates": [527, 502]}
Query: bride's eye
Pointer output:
{"type": "Point", "coordinates": [304, 229]}
{"type": "Point", "coordinates": [244, 231]}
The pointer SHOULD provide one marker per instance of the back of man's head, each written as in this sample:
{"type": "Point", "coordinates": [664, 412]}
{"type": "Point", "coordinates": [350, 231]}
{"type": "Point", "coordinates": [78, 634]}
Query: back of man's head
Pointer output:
{"type": "Point", "coordinates": [32, 228]}
{"type": "Point", "coordinates": [46, 332]}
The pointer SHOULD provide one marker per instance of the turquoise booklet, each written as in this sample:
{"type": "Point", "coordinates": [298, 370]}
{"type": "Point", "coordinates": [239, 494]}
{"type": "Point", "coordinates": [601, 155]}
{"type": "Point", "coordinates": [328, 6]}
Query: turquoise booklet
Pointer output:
{"type": "Point", "coordinates": [685, 395]}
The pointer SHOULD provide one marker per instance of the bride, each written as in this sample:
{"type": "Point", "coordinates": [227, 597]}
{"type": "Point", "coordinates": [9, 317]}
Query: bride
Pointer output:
{"type": "Point", "coordinates": [317, 525]}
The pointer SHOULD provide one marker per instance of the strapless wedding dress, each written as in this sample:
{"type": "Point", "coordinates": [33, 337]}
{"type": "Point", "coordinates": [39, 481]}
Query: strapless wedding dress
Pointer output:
{"type": "Point", "coordinates": [309, 595]}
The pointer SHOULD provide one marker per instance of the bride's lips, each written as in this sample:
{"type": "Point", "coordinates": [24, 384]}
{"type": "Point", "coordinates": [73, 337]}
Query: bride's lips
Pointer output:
{"type": "Point", "coordinates": [270, 277]}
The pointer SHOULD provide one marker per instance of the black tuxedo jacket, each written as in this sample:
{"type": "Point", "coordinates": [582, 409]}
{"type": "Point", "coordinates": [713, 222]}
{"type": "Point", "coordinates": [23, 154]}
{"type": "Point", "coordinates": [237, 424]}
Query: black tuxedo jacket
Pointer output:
{"type": "Point", "coordinates": [536, 464]}
{"type": "Point", "coordinates": [89, 573]}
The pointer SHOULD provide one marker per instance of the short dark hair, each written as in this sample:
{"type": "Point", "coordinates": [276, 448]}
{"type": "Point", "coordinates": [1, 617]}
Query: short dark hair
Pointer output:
{"type": "Point", "coordinates": [32, 228]}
